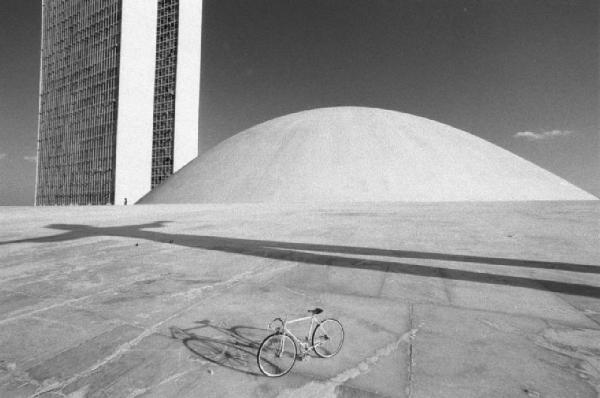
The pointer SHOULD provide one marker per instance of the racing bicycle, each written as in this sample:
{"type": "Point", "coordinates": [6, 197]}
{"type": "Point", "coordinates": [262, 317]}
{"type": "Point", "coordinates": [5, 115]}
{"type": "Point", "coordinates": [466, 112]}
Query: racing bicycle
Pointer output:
{"type": "Point", "coordinates": [278, 352]}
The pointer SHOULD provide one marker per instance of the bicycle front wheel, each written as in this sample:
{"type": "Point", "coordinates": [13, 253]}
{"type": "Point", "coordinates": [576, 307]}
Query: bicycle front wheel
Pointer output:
{"type": "Point", "coordinates": [276, 355]}
{"type": "Point", "coordinates": [328, 337]}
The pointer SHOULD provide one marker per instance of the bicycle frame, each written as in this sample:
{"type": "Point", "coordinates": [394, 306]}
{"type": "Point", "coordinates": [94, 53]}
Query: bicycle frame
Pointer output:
{"type": "Point", "coordinates": [314, 322]}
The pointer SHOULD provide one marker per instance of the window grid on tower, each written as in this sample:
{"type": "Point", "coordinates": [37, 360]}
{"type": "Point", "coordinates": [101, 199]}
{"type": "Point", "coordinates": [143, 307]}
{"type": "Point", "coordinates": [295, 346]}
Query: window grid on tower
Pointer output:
{"type": "Point", "coordinates": [163, 134]}
{"type": "Point", "coordinates": [78, 101]}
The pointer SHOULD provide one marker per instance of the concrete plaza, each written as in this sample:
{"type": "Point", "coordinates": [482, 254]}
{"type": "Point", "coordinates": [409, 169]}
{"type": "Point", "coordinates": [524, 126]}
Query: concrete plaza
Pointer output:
{"type": "Point", "coordinates": [436, 299]}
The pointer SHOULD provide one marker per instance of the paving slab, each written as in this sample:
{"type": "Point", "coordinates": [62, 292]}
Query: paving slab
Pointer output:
{"type": "Point", "coordinates": [489, 354]}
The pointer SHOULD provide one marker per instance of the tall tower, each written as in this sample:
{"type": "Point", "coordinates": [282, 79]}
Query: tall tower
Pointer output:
{"type": "Point", "coordinates": [119, 97]}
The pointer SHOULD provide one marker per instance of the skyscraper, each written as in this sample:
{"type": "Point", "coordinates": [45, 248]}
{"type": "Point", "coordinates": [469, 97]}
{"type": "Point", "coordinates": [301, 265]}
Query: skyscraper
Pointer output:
{"type": "Point", "coordinates": [119, 96]}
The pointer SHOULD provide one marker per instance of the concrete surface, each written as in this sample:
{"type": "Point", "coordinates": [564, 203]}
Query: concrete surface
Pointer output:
{"type": "Point", "coordinates": [437, 300]}
{"type": "Point", "coordinates": [354, 154]}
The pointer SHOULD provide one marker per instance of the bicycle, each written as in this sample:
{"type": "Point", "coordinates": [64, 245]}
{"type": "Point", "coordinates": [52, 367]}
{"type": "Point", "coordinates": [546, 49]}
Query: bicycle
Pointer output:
{"type": "Point", "coordinates": [278, 352]}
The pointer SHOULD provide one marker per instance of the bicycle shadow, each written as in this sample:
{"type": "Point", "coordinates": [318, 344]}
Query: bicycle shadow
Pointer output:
{"type": "Point", "coordinates": [232, 347]}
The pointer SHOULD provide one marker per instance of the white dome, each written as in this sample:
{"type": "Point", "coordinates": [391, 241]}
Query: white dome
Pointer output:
{"type": "Point", "coordinates": [352, 154]}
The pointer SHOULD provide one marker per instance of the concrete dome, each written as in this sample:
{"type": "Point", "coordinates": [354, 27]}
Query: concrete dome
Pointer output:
{"type": "Point", "coordinates": [351, 154]}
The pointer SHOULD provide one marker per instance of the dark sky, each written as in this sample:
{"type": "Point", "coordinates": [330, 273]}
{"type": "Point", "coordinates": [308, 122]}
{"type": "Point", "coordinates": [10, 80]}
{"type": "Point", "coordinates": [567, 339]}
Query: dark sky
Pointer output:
{"type": "Point", "coordinates": [494, 68]}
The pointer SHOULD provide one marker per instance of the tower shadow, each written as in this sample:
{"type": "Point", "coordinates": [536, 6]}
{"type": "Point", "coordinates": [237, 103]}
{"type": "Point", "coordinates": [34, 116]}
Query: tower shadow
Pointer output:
{"type": "Point", "coordinates": [329, 255]}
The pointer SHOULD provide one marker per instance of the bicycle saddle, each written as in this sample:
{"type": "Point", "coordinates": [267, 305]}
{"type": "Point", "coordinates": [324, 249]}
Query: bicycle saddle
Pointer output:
{"type": "Point", "coordinates": [316, 311]}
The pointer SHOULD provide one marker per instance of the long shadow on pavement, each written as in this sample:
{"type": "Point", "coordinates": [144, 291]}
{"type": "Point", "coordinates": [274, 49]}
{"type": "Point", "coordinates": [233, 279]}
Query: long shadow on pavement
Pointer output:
{"type": "Point", "coordinates": [310, 253]}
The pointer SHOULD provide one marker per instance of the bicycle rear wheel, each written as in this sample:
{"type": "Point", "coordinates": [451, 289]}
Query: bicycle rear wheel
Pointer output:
{"type": "Point", "coordinates": [276, 355]}
{"type": "Point", "coordinates": [328, 337]}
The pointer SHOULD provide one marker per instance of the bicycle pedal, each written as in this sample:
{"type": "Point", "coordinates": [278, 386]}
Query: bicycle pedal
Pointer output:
{"type": "Point", "coordinates": [305, 357]}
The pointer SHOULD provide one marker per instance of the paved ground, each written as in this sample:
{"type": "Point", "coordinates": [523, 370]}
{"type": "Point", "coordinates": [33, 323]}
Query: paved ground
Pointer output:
{"type": "Point", "coordinates": [437, 300]}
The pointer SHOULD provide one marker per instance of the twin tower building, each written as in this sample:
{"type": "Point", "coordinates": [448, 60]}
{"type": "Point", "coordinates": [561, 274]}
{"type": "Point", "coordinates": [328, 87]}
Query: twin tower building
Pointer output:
{"type": "Point", "coordinates": [119, 97]}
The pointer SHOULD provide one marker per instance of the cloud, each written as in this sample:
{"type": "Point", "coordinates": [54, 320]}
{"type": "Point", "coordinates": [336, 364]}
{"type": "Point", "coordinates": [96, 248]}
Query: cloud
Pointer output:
{"type": "Point", "coordinates": [2, 155]}
{"type": "Point", "coordinates": [531, 136]}
{"type": "Point", "coordinates": [32, 158]}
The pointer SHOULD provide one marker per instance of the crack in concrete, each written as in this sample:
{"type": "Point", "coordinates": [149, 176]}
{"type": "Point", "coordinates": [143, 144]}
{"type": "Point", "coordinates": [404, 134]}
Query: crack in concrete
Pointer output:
{"type": "Point", "coordinates": [137, 392]}
{"type": "Point", "coordinates": [571, 344]}
{"type": "Point", "coordinates": [491, 311]}
{"type": "Point", "coordinates": [409, 381]}
{"type": "Point", "coordinates": [171, 378]}
{"type": "Point", "coordinates": [61, 323]}
{"type": "Point", "coordinates": [384, 278]}
{"type": "Point", "coordinates": [17, 375]}
{"type": "Point", "coordinates": [446, 286]}
{"type": "Point", "coordinates": [578, 345]}
{"type": "Point", "coordinates": [141, 391]}
{"type": "Point", "coordinates": [504, 326]}
{"type": "Point", "coordinates": [326, 389]}
{"type": "Point", "coordinates": [66, 302]}
{"type": "Point", "coordinates": [128, 346]}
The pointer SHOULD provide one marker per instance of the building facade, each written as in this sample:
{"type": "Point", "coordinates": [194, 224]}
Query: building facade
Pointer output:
{"type": "Point", "coordinates": [119, 97]}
